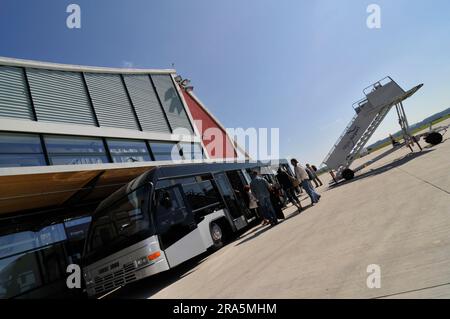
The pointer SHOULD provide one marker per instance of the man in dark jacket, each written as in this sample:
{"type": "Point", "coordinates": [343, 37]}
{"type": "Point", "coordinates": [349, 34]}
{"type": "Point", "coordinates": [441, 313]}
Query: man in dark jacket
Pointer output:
{"type": "Point", "coordinates": [313, 176]}
{"type": "Point", "coordinates": [288, 188]}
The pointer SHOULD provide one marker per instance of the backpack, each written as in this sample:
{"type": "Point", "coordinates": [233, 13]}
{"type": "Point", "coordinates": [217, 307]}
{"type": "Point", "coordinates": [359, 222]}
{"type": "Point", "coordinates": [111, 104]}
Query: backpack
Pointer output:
{"type": "Point", "coordinates": [294, 181]}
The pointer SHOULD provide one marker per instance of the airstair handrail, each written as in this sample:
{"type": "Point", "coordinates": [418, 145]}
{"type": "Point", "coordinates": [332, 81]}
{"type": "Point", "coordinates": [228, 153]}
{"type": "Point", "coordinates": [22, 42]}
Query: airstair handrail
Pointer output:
{"type": "Point", "coordinates": [378, 84]}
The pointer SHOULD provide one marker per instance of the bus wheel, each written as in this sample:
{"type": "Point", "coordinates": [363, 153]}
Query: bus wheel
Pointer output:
{"type": "Point", "coordinates": [348, 174]}
{"type": "Point", "coordinates": [434, 138]}
{"type": "Point", "coordinates": [216, 235]}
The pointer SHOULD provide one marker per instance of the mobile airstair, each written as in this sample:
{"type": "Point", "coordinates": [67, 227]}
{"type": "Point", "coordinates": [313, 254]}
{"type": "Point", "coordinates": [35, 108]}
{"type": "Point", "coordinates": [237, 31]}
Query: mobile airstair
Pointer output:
{"type": "Point", "coordinates": [379, 99]}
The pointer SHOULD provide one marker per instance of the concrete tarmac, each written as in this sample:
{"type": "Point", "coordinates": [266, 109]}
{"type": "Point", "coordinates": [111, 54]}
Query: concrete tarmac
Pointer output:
{"type": "Point", "coordinates": [395, 214]}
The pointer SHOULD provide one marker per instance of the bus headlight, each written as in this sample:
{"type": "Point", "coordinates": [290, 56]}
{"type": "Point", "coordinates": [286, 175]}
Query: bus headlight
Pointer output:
{"type": "Point", "coordinates": [140, 262]}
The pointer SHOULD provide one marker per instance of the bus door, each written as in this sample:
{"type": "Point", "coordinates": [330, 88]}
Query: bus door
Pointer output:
{"type": "Point", "coordinates": [178, 233]}
{"type": "Point", "coordinates": [238, 181]}
{"type": "Point", "coordinates": [232, 203]}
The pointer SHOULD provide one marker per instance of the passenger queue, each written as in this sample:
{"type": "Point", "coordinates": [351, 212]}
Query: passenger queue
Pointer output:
{"type": "Point", "coordinates": [269, 199]}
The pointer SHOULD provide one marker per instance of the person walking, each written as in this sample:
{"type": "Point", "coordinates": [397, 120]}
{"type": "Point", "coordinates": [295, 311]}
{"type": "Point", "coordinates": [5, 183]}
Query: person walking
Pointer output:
{"type": "Point", "coordinates": [261, 189]}
{"type": "Point", "coordinates": [393, 141]}
{"type": "Point", "coordinates": [312, 173]}
{"type": "Point", "coordinates": [302, 176]}
{"type": "Point", "coordinates": [288, 188]}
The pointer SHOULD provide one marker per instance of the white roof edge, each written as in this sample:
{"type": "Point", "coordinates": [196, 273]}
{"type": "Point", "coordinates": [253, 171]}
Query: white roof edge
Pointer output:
{"type": "Point", "coordinates": [79, 68]}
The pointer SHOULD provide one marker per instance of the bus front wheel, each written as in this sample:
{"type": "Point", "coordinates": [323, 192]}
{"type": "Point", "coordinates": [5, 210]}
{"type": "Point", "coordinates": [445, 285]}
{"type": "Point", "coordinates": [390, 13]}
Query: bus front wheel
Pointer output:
{"type": "Point", "coordinates": [216, 235]}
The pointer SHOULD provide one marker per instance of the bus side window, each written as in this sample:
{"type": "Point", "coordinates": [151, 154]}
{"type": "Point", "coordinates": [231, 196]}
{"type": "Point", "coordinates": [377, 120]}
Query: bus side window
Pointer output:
{"type": "Point", "coordinates": [169, 208]}
{"type": "Point", "coordinates": [203, 198]}
{"type": "Point", "coordinates": [172, 218]}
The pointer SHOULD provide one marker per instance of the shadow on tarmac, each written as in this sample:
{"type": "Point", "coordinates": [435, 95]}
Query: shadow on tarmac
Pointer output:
{"type": "Point", "coordinates": [258, 231]}
{"type": "Point", "coordinates": [396, 163]}
{"type": "Point", "coordinates": [262, 229]}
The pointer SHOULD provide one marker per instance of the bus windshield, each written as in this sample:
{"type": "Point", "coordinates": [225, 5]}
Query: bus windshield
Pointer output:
{"type": "Point", "coordinates": [118, 226]}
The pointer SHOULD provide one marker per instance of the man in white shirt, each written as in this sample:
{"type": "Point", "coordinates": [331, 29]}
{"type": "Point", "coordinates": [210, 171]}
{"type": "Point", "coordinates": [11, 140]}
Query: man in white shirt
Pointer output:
{"type": "Point", "coordinates": [303, 178]}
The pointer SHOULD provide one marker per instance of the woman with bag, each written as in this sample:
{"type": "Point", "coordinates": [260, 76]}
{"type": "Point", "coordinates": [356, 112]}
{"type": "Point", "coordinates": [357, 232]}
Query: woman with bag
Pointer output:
{"type": "Point", "coordinates": [288, 183]}
{"type": "Point", "coordinates": [252, 203]}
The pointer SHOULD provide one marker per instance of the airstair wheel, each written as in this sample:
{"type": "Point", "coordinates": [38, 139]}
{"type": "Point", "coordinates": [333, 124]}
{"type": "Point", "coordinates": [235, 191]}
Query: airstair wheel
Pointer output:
{"type": "Point", "coordinates": [348, 174]}
{"type": "Point", "coordinates": [434, 138]}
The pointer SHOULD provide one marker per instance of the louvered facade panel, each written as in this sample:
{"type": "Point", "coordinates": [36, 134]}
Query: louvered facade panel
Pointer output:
{"type": "Point", "coordinates": [60, 96]}
{"type": "Point", "coordinates": [146, 104]}
{"type": "Point", "coordinates": [172, 104]}
{"type": "Point", "coordinates": [110, 101]}
{"type": "Point", "coordinates": [14, 97]}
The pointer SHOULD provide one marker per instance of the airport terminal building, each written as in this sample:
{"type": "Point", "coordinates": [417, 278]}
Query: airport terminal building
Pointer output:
{"type": "Point", "coordinates": [69, 137]}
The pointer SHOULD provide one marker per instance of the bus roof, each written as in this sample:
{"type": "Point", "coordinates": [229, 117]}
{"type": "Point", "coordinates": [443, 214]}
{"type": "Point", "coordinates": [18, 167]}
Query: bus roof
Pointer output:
{"type": "Point", "coordinates": [179, 170]}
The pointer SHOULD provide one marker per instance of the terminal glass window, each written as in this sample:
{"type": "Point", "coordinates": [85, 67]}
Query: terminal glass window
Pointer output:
{"type": "Point", "coordinates": [30, 261]}
{"type": "Point", "coordinates": [20, 150]}
{"type": "Point", "coordinates": [123, 151]}
{"type": "Point", "coordinates": [192, 151]}
{"type": "Point", "coordinates": [164, 151]}
{"type": "Point", "coordinates": [64, 150]}
{"type": "Point", "coordinates": [76, 230]}
{"type": "Point", "coordinates": [19, 242]}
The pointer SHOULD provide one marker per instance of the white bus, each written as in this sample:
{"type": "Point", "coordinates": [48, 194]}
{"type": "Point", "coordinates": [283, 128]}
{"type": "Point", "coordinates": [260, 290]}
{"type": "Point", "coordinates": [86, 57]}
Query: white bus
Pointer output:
{"type": "Point", "coordinates": [162, 218]}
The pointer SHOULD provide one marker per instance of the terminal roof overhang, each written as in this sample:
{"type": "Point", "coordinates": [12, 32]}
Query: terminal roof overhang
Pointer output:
{"type": "Point", "coordinates": [28, 190]}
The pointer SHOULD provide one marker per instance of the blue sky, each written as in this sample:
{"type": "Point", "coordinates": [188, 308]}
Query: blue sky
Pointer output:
{"type": "Point", "coordinates": [291, 64]}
